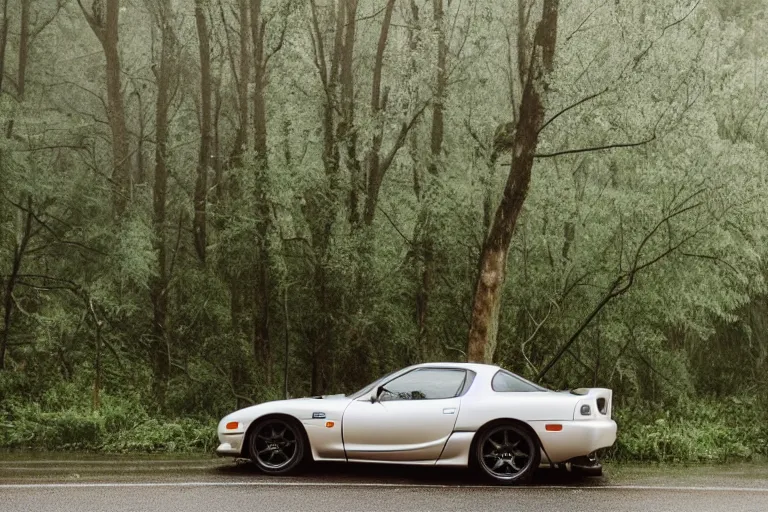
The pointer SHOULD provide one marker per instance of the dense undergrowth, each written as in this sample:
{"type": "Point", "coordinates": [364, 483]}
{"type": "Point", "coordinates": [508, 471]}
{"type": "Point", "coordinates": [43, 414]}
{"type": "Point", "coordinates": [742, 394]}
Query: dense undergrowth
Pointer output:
{"type": "Point", "coordinates": [117, 427]}
{"type": "Point", "coordinates": [705, 430]}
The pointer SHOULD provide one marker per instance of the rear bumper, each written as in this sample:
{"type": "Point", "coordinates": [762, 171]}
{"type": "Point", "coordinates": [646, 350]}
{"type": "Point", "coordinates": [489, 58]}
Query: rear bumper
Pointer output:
{"type": "Point", "coordinates": [576, 439]}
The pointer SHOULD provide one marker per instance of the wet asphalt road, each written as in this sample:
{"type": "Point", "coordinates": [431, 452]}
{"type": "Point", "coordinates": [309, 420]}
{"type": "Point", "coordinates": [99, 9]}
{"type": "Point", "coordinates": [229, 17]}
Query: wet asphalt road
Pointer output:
{"type": "Point", "coordinates": [163, 484]}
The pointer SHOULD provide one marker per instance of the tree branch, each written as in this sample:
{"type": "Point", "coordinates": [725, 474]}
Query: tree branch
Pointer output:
{"type": "Point", "coordinates": [39, 29]}
{"type": "Point", "coordinates": [278, 46]}
{"type": "Point", "coordinates": [319, 46]}
{"type": "Point", "coordinates": [401, 138]}
{"type": "Point", "coordinates": [571, 107]}
{"type": "Point", "coordinates": [95, 25]}
{"type": "Point", "coordinates": [712, 258]}
{"type": "Point", "coordinates": [596, 148]}
{"type": "Point", "coordinates": [624, 281]}
{"type": "Point", "coordinates": [642, 54]}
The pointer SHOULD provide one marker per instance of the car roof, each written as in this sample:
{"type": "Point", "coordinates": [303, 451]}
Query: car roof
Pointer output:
{"type": "Point", "coordinates": [476, 367]}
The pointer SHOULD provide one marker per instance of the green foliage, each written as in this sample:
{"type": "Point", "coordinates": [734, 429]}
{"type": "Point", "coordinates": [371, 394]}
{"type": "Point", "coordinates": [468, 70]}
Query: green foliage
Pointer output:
{"type": "Point", "coordinates": [119, 426]}
{"type": "Point", "coordinates": [164, 436]}
{"type": "Point", "coordinates": [692, 431]}
{"type": "Point", "coordinates": [31, 428]}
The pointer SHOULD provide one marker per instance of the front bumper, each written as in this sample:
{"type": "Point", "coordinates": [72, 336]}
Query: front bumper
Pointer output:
{"type": "Point", "coordinates": [231, 440]}
{"type": "Point", "coordinates": [232, 446]}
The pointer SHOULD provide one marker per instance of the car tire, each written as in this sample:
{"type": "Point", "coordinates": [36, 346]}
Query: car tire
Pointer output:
{"type": "Point", "coordinates": [506, 453]}
{"type": "Point", "coordinates": [277, 445]}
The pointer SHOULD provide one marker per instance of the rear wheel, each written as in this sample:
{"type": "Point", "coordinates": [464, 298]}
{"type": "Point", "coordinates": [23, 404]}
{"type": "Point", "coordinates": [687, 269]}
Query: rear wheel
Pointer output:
{"type": "Point", "coordinates": [277, 446]}
{"type": "Point", "coordinates": [507, 454]}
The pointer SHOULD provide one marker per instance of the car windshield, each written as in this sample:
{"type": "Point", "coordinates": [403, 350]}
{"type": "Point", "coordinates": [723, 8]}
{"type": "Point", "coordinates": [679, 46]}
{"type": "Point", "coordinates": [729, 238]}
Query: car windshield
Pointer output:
{"type": "Point", "coordinates": [367, 389]}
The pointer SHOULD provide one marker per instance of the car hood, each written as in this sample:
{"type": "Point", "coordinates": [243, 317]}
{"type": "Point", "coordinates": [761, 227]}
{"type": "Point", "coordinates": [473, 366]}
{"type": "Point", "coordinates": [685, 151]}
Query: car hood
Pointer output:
{"type": "Point", "coordinates": [326, 406]}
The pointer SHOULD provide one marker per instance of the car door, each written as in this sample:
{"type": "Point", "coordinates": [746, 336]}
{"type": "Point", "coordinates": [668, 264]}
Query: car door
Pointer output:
{"type": "Point", "coordinates": [410, 421]}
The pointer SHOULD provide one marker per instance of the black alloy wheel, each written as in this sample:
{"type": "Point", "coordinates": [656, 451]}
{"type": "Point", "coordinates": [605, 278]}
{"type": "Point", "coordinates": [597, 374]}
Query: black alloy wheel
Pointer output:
{"type": "Point", "coordinates": [507, 453]}
{"type": "Point", "coordinates": [276, 446]}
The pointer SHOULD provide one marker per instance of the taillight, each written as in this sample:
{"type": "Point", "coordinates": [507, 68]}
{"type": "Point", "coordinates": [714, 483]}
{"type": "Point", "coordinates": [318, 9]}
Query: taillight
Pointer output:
{"type": "Point", "coordinates": [602, 406]}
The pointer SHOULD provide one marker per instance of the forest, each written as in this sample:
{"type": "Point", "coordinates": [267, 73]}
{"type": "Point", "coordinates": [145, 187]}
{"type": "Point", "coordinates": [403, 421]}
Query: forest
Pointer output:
{"type": "Point", "coordinates": [206, 204]}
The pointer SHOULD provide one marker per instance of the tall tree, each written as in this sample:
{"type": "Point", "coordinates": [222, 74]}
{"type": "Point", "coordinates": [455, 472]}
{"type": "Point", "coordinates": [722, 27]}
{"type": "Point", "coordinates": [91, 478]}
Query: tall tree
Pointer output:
{"type": "Point", "coordinates": [323, 202]}
{"type": "Point", "coordinates": [3, 41]}
{"type": "Point", "coordinates": [242, 78]}
{"type": "Point", "coordinates": [21, 79]}
{"type": "Point", "coordinates": [492, 268]}
{"type": "Point", "coordinates": [20, 249]}
{"type": "Point", "coordinates": [165, 75]}
{"type": "Point", "coordinates": [104, 20]}
{"type": "Point", "coordinates": [262, 284]}
{"type": "Point", "coordinates": [425, 236]}
{"type": "Point", "coordinates": [206, 130]}
{"type": "Point", "coordinates": [378, 163]}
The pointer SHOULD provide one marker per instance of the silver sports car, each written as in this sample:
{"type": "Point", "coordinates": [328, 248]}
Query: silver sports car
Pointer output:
{"type": "Point", "coordinates": [444, 414]}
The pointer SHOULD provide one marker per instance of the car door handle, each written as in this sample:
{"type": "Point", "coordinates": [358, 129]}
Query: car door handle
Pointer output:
{"type": "Point", "coordinates": [452, 410]}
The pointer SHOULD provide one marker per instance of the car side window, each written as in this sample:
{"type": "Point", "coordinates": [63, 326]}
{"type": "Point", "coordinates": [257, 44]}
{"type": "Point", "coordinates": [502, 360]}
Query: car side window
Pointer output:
{"type": "Point", "coordinates": [425, 384]}
{"type": "Point", "coordinates": [506, 382]}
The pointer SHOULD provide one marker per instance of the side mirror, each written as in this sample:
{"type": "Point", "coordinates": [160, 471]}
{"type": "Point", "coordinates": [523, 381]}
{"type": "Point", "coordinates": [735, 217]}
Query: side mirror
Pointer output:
{"type": "Point", "coordinates": [375, 394]}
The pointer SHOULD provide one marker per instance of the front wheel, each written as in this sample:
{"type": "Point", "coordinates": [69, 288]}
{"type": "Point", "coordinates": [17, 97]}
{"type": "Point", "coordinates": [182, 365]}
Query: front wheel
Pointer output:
{"type": "Point", "coordinates": [507, 454]}
{"type": "Point", "coordinates": [276, 446]}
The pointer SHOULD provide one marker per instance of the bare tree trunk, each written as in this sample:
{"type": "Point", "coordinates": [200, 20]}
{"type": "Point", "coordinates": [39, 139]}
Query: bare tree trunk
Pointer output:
{"type": "Point", "coordinates": [218, 165]}
{"type": "Point", "coordinates": [96, 394]}
{"type": "Point", "coordinates": [258, 28]}
{"type": "Point", "coordinates": [346, 132]}
{"type": "Point", "coordinates": [106, 28]}
{"type": "Point", "coordinates": [329, 77]}
{"type": "Point", "coordinates": [24, 47]}
{"type": "Point", "coordinates": [378, 104]}
{"type": "Point", "coordinates": [26, 7]}
{"type": "Point", "coordinates": [261, 339]}
{"type": "Point", "coordinates": [441, 83]}
{"type": "Point", "coordinates": [426, 228]}
{"type": "Point", "coordinates": [379, 163]}
{"type": "Point", "coordinates": [19, 250]}
{"type": "Point", "coordinates": [262, 304]}
{"type": "Point", "coordinates": [141, 168]}
{"type": "Point", "coordinates": [21, 81]}
{"type": "Point", "coordinates": [159, 286]}
{"type": "Point", "coordinates": [414, 26]}
{"type": "Point", "coordinates": [3, 42]}
{"type": "Point", "coordinates": [493, 259]}
{"type": "Point", "coordinates": [322, 204]}
{"type": "Point", "coordinates": [204, 160]}
{"type": "Point", "coordinates": [241, 138]}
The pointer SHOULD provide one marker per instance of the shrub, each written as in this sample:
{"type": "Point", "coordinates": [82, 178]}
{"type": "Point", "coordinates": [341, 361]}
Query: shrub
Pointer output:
{"type": "Point", "coordinates": [119, 426]}
{"type": "Point", "coordinates": [154, 435]}
{"type": "Point", "coordinates": [700, 431]}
